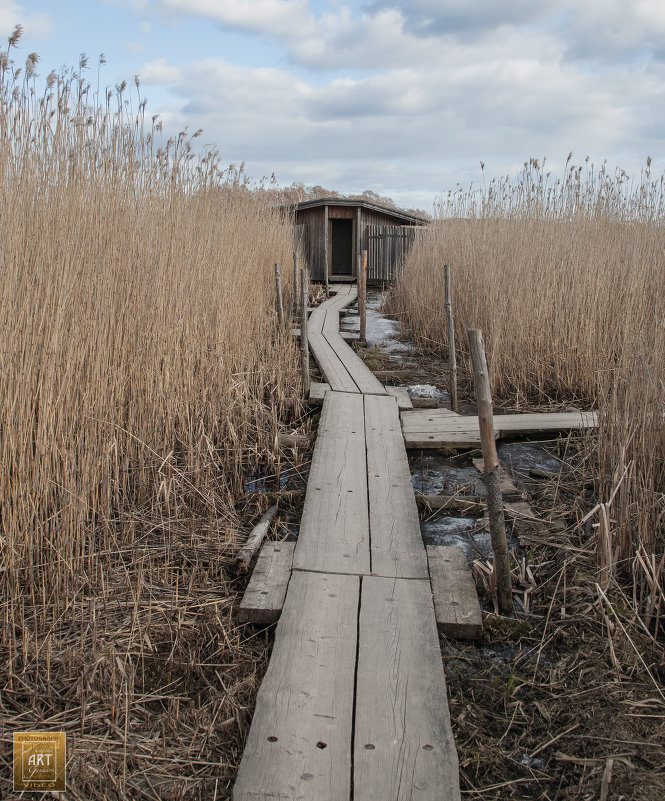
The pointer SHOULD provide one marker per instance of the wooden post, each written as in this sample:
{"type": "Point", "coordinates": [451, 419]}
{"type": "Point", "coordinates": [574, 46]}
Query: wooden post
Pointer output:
{"type": "Point", "coordinates": [362, 297]}
{"type": "Point", "coordinates": [296, 293]}
{"type": "Point", "coordinates": [304, 343]}
{"type": "Point", "coordinates": [326, 236]}
{"type": "Point", "coordinates": [280, 305]}
{"type": "Point", "coordinates": [491, 462]}
{"type": "Point", "coordinates": [452, 359]}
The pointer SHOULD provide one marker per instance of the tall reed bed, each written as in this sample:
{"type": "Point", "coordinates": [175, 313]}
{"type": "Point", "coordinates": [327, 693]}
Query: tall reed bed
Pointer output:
{"type": "Point", "coordinates": [565, 278]}
{"type": "Point", "coordinates": [143, 375]}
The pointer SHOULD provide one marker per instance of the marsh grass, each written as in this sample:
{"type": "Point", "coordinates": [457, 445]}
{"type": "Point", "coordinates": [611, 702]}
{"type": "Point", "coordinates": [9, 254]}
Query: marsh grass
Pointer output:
{"type": "Point", "coordinates": [143, 376]}
{"type": "Point", "coordinates": [565, 279]}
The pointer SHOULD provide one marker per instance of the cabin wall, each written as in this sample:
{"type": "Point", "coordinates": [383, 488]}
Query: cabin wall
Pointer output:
{"type": "Point", "coordinates": [386, 241]}
{"type": "Point", "coordinates": [310, 222]}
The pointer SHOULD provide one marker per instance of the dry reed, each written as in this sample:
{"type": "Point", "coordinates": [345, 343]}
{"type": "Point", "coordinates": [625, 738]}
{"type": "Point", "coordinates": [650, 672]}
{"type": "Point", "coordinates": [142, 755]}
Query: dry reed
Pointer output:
{"type": "Point", "coordinates": [143, 375]}
{"type": "Point", "coordinates": [565, 278]}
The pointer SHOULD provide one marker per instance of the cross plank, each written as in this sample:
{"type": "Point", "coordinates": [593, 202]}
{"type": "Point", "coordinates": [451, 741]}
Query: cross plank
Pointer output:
{"type": "Point", "coordinates": [396, 541]}
{"type": "Point", "coordinates": [404, 747]}
{"type": "Point", "coordinates": [404, 401]}
{"type": "Point", "coordinates": [317, 391]}
{"type": "Point", "coordinates": [299, 744]}
{"type": "Point", "coordinates": [334, 528]}
{"type": "Point", "coordinates": [432, 428]}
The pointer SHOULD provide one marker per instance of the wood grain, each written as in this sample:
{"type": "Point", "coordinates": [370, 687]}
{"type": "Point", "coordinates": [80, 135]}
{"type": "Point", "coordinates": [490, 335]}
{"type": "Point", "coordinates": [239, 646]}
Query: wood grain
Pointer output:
{"type": "Point", "coordinates": [264, 597]}
{"type": "Point", "coordinates": [404, 747]}
{"type": "Point", "coordinates": [454, 591]}
{"type": "Point", "coordinates": [396, 541]}
{"type": "Point", "coordinates": [299, 744]}
{"type": "Point", "coordinates": [334, 528]}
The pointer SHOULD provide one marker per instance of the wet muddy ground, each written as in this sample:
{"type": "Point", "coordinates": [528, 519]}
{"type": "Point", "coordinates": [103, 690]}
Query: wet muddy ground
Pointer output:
{"type": "Point", "coordinates": [549, 703]}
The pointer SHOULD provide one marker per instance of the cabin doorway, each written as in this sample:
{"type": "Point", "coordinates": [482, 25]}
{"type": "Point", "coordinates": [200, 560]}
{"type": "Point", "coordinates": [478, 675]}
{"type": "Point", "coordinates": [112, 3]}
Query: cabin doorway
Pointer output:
{"type": "Point", "coordinates": [341, 246]}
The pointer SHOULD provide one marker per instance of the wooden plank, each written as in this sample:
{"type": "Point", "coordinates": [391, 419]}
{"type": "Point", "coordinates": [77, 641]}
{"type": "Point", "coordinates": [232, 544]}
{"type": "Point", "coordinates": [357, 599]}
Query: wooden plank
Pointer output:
{"type": "Point", "coordinates": [404, 746]}
{"type": "Point", "coordinates": [329, 362]}
{"type": "Point", "coordinates": [396, 541]}
{"type": "Point", "coordinates": [317, 391]}
{"type": "Point", "coordinates": [509, 491]}
{"type": "Point", "coordinates": [433, 429]}
{"type": "Point", "coordinates": [403, 400]}
{"type": "Point", "coordinates": [334, 528]}
{"type": "Point", "coordinates": [264, 597]}
{"type": "Point", "coordinates": [462, 440]}
{"type": "Point", "coordinates": [299, 744]}
{"type": "Point", "coordinates": [359, 372]}
{"type": "Point", "coordinates": [456, 603]}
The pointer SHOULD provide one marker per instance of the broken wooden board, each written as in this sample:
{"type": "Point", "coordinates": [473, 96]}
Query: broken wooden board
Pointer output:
{"type": "Point", "coordinates": [437, 428]}
{"type": "Point", "coordinates": [509, 491]}
{"type": "Point", "coordinates": [334, 528]}
{"type": "Point", "coordinates": [403, 400]}
{"type": "Point", "coordinates": [396, 541]}
{"type": "Point", "coordinates": [299, 744]}
{"type": "Point", "coordinates": [456, 603]}
{"type": "Point", "coordinates": [264, 597]}
{"type": "Point", "coordinates": [403, 742]}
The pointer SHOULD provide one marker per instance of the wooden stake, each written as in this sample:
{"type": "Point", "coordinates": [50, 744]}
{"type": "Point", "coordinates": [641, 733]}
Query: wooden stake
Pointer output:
{"type": "Point", "coordinates": [491, 463]}
{"type": "Point", "coordinates": [452, 358]}
{"type": "Point", "coordinates": [362, 297]}
{"type": "Point", "coordinates": [296, 292]}
{"type": "Point", "coordinates": [280, 304]}
{"type": "Point", "coordinates": [304, 342]}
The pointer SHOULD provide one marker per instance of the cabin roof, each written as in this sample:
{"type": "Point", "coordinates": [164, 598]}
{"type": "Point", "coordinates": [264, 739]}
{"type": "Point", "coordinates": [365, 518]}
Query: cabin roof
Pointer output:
{"type": "Point", "coordinates": [400, 214]}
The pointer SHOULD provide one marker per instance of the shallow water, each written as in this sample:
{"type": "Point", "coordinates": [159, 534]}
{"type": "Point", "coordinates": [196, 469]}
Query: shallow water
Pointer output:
{"type": "Point", "coordinates": [381, 332]}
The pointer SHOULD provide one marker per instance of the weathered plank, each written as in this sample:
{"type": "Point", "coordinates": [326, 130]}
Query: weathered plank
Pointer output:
{"type": "Point", "coordinates": [403, 400]}
{"type": "Point", "coordinates": [330, 364]}
{"type": "Point", "coordinates": [434, 428]}
{"type": "Point", "coordinates": [317, 392]}
{"type": "Point", "coordinates": [396, 541]}
{"type": "Point", "coordinates": [361, 375]}
{"type": "Point", "coordinates": [299, 744]}
{"type": "Point", "coordinates": [334, 528]}
{"type": "Point", "coordinates": [264, 597]}
{"type": "Point", "coordinates": [404, 747]}
{"type": "Point", "coordinates": [454, 591]}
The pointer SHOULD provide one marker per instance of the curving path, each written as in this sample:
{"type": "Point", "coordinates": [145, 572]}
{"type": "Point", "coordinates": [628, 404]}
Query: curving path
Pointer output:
{"type": "Point", "coordinates": [353, 704]}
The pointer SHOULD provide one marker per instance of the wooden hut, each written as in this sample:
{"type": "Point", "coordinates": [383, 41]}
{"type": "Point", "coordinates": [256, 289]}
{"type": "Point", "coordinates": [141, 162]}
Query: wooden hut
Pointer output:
{"type": "Point", "coordinates": [333, 232]}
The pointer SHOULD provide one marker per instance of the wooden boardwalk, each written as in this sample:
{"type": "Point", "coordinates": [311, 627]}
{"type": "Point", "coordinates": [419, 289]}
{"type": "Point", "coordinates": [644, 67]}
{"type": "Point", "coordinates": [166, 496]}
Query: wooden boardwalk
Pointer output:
{"type": "Point", "coordinates": [354, 703]}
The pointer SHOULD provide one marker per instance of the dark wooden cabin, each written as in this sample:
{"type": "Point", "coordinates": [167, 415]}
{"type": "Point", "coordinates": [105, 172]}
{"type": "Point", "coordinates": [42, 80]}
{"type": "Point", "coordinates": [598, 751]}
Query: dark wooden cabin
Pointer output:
{"type": "Point", "coordinates": [333, 232]}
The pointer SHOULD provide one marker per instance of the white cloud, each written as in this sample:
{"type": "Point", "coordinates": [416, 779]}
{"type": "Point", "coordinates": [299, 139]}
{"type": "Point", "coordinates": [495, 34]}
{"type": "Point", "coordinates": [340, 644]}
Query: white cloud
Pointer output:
{"type": "Point", "coordinates": [423, 90]}
{"type": "Point", "coordinates": [286, 18]}
{"type": "Point", "coordinates": [159, 72]}
{"type": "Point", "coordinates": [34, 25]}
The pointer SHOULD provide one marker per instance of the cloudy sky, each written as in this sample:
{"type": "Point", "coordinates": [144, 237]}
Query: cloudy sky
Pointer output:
{"type": "Point", "coordinates": [403, 98]}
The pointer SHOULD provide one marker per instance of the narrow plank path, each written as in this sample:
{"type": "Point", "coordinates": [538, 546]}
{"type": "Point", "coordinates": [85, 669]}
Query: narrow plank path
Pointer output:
{"type": "Point", "coordinates": [354, 702]}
